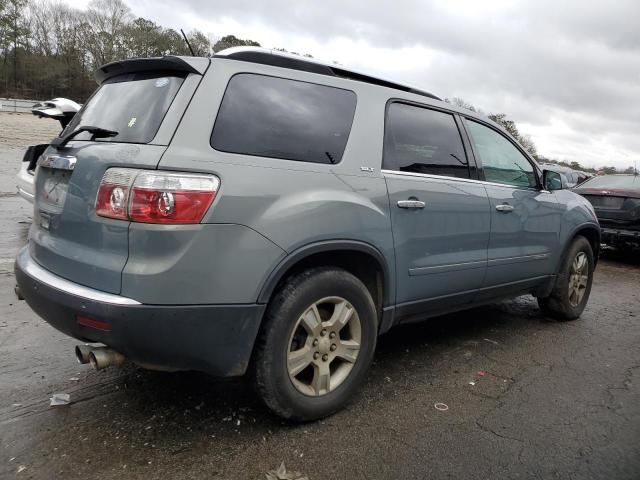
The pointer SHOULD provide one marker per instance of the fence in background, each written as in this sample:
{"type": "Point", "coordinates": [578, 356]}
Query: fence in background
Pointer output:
{"type": "Point", "coordinates": [16, 105]}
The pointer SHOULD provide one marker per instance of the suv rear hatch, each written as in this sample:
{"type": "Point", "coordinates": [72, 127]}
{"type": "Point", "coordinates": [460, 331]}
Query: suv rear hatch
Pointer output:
{"type": "Point", "coordinates": [141, 100]}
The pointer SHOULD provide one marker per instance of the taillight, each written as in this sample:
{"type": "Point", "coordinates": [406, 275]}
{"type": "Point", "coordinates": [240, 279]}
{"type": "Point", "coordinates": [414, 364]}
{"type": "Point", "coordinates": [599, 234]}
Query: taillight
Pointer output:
{"type": "Point", "coordinates": [171, 197]}
{"type": "Point", "coordinates": [113, 194]}
{"type": "Point", "coordinates": [154, 196]}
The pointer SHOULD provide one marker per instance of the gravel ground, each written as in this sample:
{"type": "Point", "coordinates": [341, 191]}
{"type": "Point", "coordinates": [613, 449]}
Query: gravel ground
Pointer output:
{"type": "Point", "coordinates": [549, 400]}
{"type": "Point", "coordinates": [18, 130]}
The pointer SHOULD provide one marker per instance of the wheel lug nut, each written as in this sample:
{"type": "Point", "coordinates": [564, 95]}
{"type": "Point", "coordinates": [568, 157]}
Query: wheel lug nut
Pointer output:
{"type": "Point", "coordinates": [333, 347]}
{"type": "Point", "coordinates": [315, 342]}
{"type": "Point", "coordinates": [323, 333]}
{"type": "Point", "coordinates": [325, 357]}
{"type": "Point", "coordinates": [332, 335]}
{"type": "Point", "coordinates": [316, 356]}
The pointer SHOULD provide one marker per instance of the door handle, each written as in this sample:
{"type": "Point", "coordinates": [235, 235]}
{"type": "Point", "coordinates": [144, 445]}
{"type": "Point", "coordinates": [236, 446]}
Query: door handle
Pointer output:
{"type": "Point", "coordinates": [411, 204]}
{"type": "Point", "coordinates": [504, 208]}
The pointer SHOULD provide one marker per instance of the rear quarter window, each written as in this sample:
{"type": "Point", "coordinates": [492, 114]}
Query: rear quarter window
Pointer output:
{"type": "Point", "coordinates": [286, 119]}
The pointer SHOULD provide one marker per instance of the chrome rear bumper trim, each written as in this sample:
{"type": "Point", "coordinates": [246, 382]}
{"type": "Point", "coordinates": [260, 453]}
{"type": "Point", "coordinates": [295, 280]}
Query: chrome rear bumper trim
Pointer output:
{"type": "Point", "coordinates": [29, 266]}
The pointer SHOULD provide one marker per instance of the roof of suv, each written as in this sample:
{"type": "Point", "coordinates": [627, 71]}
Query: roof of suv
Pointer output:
{"type": "Point", "coordinates": [278, 58]}
{"type": "Point", "coordinates": [274, 58]}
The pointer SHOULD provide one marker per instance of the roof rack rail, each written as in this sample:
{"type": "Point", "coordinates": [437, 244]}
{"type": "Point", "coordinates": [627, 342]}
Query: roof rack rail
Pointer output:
{"type": "Point", "coordinates": [277, 58]}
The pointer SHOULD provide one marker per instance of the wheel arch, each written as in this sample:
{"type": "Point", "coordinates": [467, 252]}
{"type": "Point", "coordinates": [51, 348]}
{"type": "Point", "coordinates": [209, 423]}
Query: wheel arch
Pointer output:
{"type": "Point", "coordinates": [359, 258]}
{"type": "Point", "coordinates": [591, 232]}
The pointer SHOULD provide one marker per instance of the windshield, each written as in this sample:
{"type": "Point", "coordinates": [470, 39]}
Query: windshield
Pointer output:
{"type": "Point", "coordinates": [613, 181]}
{"type": "Point", "coordinates": [133, 105]}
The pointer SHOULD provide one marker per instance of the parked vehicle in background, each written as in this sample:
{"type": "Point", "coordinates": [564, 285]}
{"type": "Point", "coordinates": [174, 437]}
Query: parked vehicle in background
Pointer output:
{"type": "Point", "coordinates": [616, 200]}
{"type": "Point", "coordinates": [257, 211]}
{"type": "Point", "coordinates": [60, 109]}
{"type": "Point", "coordinates": [571, 178]}
{"type": "Point", "coordinates": [578, 177]}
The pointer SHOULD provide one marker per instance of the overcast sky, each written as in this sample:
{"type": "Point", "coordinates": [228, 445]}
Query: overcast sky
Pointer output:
{"type": "Point", "coordinates": [568, 72]}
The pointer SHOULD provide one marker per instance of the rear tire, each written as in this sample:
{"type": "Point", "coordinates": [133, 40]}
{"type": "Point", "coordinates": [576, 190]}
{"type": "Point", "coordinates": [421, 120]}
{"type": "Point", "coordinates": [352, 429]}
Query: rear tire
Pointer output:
{"type": "Point", "coordinates": [316, 344]}
{"type": "Point", "coordinates": [572, 288]}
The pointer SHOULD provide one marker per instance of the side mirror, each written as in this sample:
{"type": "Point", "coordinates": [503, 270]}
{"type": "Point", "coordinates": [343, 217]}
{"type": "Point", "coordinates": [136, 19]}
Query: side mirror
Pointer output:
{"type": "Point", "coordinates": [552, 180]}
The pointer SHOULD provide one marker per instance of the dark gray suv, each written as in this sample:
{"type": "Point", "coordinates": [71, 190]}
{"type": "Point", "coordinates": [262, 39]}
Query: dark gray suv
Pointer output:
{"type": "Point", "coordinates": [262, 212]}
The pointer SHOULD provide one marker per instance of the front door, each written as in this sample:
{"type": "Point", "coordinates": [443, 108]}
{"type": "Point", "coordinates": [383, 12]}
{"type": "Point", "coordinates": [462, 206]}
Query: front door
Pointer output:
{"type": "Point", "coordinates": [440, 219]}
{"type": "Point", "coordinates": [525, 219]}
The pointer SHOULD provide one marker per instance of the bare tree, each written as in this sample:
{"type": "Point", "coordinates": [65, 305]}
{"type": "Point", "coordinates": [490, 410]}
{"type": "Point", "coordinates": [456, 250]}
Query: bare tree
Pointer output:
{"type": "Point", "coordinates": [107, 20]}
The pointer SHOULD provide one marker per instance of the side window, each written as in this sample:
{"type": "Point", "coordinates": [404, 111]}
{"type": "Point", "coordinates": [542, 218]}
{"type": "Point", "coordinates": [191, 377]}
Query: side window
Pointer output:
{"type": "Point", "coordinates": [501, 161]}
{"type": "Point", "coordinates": [420, 140]}
{"type": "Point", "coordinates": [287, 119]}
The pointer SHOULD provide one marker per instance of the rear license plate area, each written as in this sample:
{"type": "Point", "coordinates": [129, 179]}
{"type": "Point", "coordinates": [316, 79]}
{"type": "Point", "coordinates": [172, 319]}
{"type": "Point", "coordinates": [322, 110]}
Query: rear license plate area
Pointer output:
{"type": "Point", "coordinates": [53, 187]}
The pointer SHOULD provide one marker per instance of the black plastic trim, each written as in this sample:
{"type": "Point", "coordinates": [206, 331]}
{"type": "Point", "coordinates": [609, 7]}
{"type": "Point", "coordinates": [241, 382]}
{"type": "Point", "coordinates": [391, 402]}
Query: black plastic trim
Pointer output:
{"type": "Point", "coordinates": [386, 322]}
{"type": "Point", "coordinates": [359, 77]}
{"type": "Point", "coordinates": [279, 61]}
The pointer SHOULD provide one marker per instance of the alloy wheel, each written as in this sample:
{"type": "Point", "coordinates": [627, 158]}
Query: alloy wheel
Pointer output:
{"type": "Point", "coordinates": [578, 278]}
{"type": "Point", "coordinates": [324, 346]}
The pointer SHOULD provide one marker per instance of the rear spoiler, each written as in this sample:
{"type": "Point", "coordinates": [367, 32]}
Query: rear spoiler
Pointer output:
{"type": "Point", "coordinates": [196, 65]}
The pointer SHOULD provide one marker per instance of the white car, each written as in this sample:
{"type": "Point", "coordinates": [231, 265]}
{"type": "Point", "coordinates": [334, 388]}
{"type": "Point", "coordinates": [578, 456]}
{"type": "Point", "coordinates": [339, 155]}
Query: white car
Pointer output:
{"type": "Point", "coordinates": [24, 180]}
{"type": "Point", "coordinates": [61, 109]}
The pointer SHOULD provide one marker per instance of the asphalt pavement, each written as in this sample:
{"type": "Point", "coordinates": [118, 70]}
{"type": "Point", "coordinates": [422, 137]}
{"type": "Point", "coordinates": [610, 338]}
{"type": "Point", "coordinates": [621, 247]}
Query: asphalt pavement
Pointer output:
{"type": "Point", "coordinates": [522, 396]}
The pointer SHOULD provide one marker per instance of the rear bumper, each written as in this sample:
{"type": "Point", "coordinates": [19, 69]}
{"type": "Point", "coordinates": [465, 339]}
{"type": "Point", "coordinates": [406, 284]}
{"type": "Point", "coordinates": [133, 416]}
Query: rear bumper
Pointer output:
{"type": "Point", "coordinates": [217, 339]}
{"type": "Point", "coordinates": [614, 236]}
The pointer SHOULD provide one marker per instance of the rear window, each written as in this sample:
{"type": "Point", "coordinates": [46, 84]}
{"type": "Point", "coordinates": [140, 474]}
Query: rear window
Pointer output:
{"type": "Point", "coordinates": [281, 118]}
{"type": "Point", "coordinates": [613, 181]}
{"type": "Point", "coordinates": [133, 105]}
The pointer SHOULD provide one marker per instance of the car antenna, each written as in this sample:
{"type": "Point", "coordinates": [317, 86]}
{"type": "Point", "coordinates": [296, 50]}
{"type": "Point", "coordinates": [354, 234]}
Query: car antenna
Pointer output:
{"type": "Point", "coordinates": [187, 42]}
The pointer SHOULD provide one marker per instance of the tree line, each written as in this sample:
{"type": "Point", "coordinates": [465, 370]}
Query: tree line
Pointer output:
{"type": "Point", "coordinates": [50, 49]}
{"type": "Point", "coordinates": [528, 144]}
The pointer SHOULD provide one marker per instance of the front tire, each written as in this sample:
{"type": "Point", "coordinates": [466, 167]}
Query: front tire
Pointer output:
{"type": "Point", "coordinates": [316, 344]}
{"type": "Point", "coordinates": [571, 292]}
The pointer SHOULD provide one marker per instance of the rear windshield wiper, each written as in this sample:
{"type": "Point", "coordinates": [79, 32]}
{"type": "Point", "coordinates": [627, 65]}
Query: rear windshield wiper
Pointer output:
{"type": "Point", "coordinates": [96, 132]}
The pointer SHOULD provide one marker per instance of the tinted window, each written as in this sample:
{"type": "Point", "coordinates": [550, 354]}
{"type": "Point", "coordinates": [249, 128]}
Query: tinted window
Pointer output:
{"type": "Point", "coordinates": [502, 162]}
{"type": "Point", "coordinates": [133, 105]}
{"type": "Point", "coordinates": [275, 117]}
{"type": "Point", "coordinates": [420, 140]}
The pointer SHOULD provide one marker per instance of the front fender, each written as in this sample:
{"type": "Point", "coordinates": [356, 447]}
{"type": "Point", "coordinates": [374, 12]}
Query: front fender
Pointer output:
{"type": "Point", "coordinates": [577, 217]}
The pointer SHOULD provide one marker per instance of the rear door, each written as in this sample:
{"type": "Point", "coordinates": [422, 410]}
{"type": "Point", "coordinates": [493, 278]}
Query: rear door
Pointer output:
{"type": "Point", "coordinates": [67, 237]}
{"type": "Point", "coordinates": [440, 217]}
{"type": "Point", "coordinates": [525, 219]}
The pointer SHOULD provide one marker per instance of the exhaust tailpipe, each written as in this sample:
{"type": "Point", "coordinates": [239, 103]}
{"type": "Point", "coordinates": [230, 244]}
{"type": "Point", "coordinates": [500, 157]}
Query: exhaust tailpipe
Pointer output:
{"type": "Point", "coordinates": [98, 357]}
{"type": "Point", "coordinates": [82, 353]}
{"type": "Point", "coordinates": [103, 357]}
